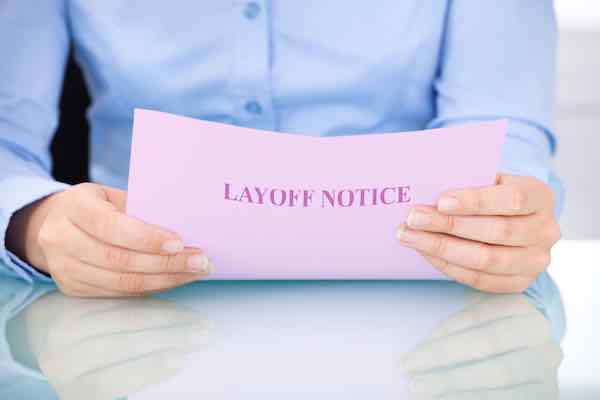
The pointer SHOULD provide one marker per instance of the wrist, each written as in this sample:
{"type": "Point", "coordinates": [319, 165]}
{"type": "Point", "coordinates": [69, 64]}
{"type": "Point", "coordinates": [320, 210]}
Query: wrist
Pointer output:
{"type": "Point", "coordinates": [23, 230]}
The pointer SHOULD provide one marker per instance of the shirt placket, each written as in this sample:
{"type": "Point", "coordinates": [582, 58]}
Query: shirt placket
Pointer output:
{"type": "Point", "coordinates": [250, 78]}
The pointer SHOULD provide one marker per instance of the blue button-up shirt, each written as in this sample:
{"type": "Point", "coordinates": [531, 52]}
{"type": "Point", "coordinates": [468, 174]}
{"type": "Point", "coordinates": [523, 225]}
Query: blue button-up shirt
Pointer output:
{"type": "Point", "coordinates": [319, 67]}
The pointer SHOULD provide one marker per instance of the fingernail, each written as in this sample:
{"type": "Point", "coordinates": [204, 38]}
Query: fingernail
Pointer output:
{"type": "Point", "coordinates": [418, 219]}
{"type": "Point", "coordinates": [447, 203]}
{"type": "Point", "coordinates": [199, 263]}
{"type": "Point", "coordinates": [172, 246]}
{"type": "Point", "coordinates": [209, 267]}
{"type": "Point", "coordinates": [404, 235]}
{"type": "Point", "coordinates": [201, 276]}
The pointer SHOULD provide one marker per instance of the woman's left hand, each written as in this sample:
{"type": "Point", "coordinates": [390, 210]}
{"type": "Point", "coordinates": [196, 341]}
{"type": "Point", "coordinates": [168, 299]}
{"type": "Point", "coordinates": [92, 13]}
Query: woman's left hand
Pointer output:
{"type": "Point", "coordinates": [495, 238]}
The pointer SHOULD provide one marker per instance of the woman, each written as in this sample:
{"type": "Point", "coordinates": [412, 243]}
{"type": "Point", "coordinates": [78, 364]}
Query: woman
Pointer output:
{"type": "Point", "coordinates": [333, 67]}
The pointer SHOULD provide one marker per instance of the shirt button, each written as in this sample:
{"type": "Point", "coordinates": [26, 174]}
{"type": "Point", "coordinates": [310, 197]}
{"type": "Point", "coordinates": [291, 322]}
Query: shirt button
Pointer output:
{"type": "Point", "coordinates": [252, 10]}
{"type": "Point", "coordinates": [253, 107]}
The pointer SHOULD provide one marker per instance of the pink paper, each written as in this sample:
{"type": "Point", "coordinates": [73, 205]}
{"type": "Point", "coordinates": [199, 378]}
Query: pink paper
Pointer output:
{"type": "Point", "coordinates": [325, 207]}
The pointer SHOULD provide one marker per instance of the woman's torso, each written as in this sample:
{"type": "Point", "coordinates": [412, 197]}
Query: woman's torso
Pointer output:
{"type": "Point", "coordinates": [311, 67]}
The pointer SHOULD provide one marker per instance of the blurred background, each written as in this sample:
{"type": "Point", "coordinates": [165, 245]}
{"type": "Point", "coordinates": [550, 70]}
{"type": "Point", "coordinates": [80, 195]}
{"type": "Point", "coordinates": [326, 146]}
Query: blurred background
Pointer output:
{"type": "Point", "coordinates": [578, 116]}
{"type": "Point", "coordinates": [574, 262]}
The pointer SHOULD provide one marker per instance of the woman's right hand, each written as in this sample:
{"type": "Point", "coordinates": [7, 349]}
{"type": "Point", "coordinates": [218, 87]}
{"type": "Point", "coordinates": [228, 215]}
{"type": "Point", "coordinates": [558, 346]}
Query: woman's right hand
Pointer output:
{"type": "Point", "coordinates": [85, 241]}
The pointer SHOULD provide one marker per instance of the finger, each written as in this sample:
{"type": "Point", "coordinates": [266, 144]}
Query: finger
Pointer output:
{"type": "Point", "coordinates": [522, 196]}
{"type": "Point", "coordinates": [504, 230]}
{"type": "Point", "coordinates": [497, 337]}
{"type": "Point", "coordinates": [121, 380]}
{"type": "Point", "coordinates": [481, 280]}
{"type": "Point", "coordinates": [116, 197]}
{"type": "Point", "coordinates": [126, 315]}
{"type": "Point", "coordinates": [494, 307]}
{"type": "Point", "coordinates": [81, 290]}
{"type": "Point", "coordinates": [74, 288]}
{"type": "Point", "coordinates": [103, 220]}
{"type": "Point", "coordinates": [477, 256]}
{"type": "Point", "coordinates": [126, 282]}
{"type": "Point", "coordinates": [85, 247]}
{"type": "Point", "coordinates": [137, 314]}
{"type": "Point", "coordinates": [518, 367]}
{"type": "Point", "coordinates": [96, 352]}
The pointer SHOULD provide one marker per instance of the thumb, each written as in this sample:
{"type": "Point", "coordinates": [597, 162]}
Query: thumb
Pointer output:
{"type": "Point", "coordinates": [116, 197]}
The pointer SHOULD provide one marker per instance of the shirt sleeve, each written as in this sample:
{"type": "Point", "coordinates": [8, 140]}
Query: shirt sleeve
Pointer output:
{"type": "Point", "coordinates": [34, 43]}
{"type": "Point", "coordinates": [498, 60]}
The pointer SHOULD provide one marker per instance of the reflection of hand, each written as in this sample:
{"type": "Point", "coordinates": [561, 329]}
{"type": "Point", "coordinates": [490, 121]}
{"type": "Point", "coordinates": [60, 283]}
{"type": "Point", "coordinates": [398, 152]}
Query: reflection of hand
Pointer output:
{"type": "Point", "coordinates": [84, 239]}
{"type": "Point", "coordinates": [102, 349]}
{"type": "Point", "coordinates": [498, 348]}
{"type": "Point", "coordinates": [495, 238]}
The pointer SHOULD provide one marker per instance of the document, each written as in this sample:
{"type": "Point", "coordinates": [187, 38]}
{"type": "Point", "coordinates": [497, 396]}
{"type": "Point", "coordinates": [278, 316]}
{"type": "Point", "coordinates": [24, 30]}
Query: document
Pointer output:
{"type": "Point", "coordinates": [273, 205]}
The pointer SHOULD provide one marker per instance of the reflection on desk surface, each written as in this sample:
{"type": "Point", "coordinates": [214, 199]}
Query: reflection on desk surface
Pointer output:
{"type": "Point", "coordinates": [401, 340]}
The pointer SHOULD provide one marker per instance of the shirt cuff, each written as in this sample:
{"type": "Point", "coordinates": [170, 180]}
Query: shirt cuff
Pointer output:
{"type": "Point", "coordinates": [520, 157]}
{"type": "Point", "coordinates": [18, 192]}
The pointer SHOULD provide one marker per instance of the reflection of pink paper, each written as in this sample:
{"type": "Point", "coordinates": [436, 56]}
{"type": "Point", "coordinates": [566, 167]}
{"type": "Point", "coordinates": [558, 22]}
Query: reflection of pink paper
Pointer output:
{"type": "Point", "coordinates": [189, 176]}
